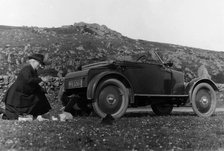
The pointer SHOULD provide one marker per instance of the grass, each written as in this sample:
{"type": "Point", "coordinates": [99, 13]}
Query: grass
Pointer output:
{"type": "Point", "coordinates": [134, 131]}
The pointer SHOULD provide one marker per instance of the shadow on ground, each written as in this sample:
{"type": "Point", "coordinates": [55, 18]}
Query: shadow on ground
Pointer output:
{"type": "Point", "coordinates": [151, 114]}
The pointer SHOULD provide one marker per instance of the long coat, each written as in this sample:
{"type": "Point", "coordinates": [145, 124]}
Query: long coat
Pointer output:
{"type": "Point", "coordinates": [25, 96]}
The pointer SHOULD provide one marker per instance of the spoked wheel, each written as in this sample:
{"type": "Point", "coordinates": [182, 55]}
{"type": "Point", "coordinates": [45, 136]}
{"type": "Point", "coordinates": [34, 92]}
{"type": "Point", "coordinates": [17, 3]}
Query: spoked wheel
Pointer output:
{"type": "Point", "coordinates": [162, 109]}
{"type": "Point", "coordinates": [111, 98]}
{"type": "Point", "coordinates": [204, 100]}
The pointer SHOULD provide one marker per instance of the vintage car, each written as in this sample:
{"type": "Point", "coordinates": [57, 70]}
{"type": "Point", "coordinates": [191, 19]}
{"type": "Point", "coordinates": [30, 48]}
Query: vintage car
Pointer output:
{"type": "Point", "coordinates": [110, 87]}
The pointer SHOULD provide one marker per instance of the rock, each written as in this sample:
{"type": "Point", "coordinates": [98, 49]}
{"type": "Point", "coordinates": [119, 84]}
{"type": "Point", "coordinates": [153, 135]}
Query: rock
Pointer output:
{"type": "Point", "coordinates": [65, 116]}
{"type": "Point", "coordinates": [107, 120]}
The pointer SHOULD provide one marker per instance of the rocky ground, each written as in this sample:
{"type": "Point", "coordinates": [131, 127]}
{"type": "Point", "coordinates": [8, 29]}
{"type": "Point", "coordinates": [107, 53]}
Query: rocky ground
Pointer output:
{"type": "Point", "coordinates": [135, 131]}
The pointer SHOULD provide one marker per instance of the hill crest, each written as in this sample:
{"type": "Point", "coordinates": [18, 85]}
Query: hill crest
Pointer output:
{"type": "Point", "coordinates": [82, 43]}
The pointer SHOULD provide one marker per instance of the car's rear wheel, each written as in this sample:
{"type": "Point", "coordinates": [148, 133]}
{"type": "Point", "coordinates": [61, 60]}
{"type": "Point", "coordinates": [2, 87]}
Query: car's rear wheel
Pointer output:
{"type": "Point", "coordinates": [111, 97]}
{"type": "Point", "coordinates": [203, 100]}
{"type": "Point", "coordinates": [162, 109]}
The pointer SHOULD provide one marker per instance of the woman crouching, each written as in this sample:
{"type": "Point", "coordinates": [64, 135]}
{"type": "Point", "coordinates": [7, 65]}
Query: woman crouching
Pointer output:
{"type": "Point", "coordinates": [25, 96]}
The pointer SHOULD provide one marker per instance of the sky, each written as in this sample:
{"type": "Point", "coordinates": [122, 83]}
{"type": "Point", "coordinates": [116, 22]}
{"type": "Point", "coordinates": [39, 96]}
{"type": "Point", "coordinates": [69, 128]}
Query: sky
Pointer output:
{"type": "Point", "coordinates": [193, 23]}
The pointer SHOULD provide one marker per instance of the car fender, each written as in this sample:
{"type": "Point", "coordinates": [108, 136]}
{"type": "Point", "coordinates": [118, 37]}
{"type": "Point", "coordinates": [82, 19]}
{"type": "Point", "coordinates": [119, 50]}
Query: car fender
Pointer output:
{"type": "Point", "coordinates": [92, 85]}
{"type": "Point", "coordinates": [193, 83]}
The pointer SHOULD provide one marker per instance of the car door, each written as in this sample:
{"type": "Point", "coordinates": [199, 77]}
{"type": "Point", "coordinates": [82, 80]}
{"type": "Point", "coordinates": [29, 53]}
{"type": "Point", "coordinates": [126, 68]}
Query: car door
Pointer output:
{"type": "Point", "coordinates": [149, 78]}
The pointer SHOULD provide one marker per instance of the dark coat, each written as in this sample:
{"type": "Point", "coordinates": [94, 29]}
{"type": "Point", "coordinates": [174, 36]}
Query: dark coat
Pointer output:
{"type": "Point", "coordinates": [25, 96]}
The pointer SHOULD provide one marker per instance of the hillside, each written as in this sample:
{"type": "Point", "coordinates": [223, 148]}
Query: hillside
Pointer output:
{"type": "Point", "coordinates": [69, 46]}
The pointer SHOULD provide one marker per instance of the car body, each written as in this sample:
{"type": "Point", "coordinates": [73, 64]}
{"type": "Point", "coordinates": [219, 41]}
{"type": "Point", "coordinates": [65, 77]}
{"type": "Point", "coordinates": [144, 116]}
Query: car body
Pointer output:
{"type": "Point", "coordinates": [110, 87]}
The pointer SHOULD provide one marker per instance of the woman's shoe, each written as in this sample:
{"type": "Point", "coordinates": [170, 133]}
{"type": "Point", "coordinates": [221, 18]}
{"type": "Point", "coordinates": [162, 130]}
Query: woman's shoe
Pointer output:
{"type": "Point", "coordinates": [25, 117]}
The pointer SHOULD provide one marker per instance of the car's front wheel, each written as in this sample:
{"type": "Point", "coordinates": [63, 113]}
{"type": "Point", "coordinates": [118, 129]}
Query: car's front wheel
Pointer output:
{"type": "Point", "coordinates": [203, 100]}
{"type": "Point", "coordinates": [162, 109]}
{"type": "Point", "coordinates": [111, 97]}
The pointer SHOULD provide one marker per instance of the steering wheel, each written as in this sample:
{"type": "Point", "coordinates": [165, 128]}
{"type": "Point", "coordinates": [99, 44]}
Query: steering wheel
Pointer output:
{"type": "Point", "coordinates": [141, 57]}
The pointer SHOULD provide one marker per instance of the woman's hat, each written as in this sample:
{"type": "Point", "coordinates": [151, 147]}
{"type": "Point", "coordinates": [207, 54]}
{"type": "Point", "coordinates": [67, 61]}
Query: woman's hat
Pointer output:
{"type": "Point", "coordinates": [38, 57]}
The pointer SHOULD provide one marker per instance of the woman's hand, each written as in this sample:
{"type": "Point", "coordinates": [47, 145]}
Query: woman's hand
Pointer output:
{"type": "Point", "coordinates": [44, 79]}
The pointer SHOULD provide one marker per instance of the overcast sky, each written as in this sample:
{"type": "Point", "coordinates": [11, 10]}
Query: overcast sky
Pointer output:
{"type": "Point", "coordinates": [195, 23]}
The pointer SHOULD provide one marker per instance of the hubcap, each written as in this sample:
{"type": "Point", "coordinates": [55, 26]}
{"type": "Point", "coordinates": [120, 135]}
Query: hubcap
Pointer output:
{"type": "Point", "coordinates": [204, 100]}
{"type": "Point", "coordinates": [111, 99]}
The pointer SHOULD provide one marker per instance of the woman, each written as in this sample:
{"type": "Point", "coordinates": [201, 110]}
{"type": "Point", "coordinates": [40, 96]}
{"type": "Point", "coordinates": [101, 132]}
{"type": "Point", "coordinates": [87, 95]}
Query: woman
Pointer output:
{"type": "Point", "coordinates": [25, 96]}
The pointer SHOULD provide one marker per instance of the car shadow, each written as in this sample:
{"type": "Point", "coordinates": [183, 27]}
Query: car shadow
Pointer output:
{"type": "Point", "coordinates": [151, 114]}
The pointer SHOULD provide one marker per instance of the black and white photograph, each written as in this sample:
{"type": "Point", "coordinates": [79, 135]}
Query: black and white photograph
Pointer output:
{"type": "Point", "coordinates": [111, 75]}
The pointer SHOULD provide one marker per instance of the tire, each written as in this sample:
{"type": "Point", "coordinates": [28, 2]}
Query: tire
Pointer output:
{"type": "Point", "coordinates": [111, 97]}
{"type": "Point", "coordinates": [162, 109]}
{"type": "Point", "coordinates": [203, 100]}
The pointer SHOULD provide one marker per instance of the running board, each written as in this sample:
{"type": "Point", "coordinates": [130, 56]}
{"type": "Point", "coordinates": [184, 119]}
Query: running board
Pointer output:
{"type": "Point", "coordinates": [162, 95]}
